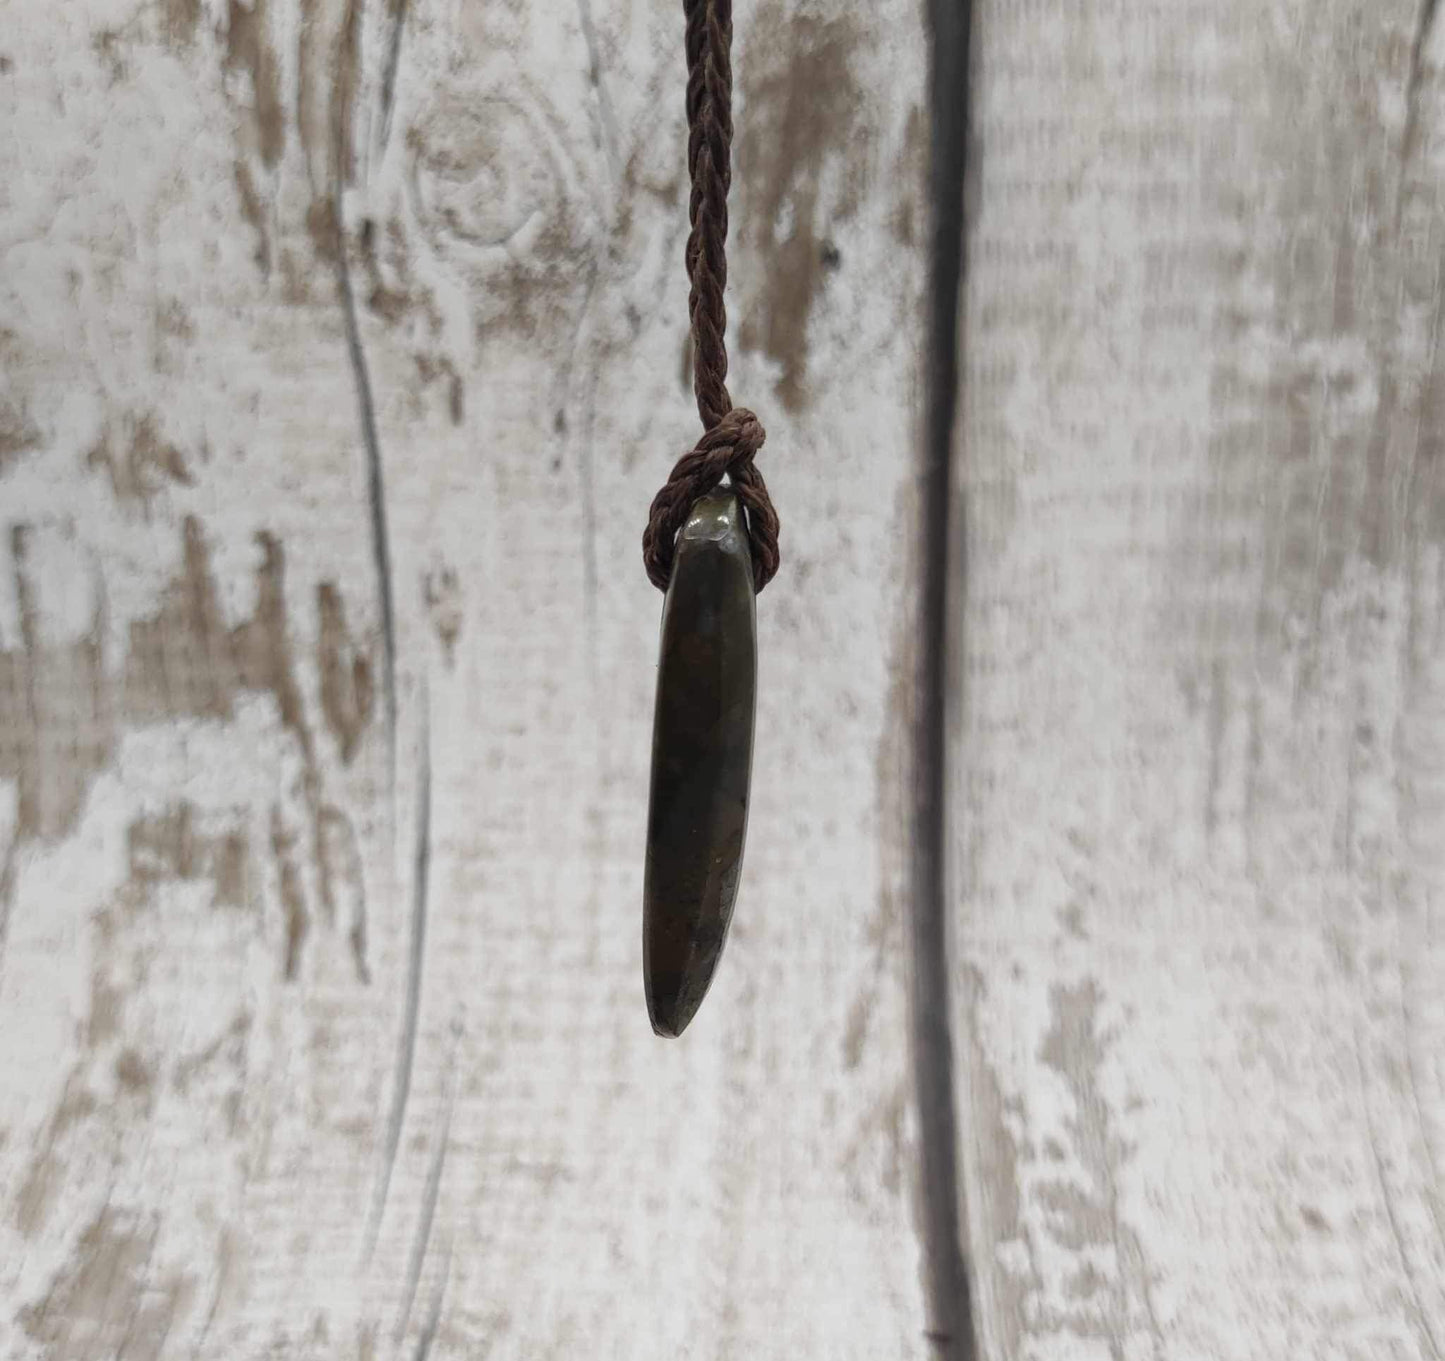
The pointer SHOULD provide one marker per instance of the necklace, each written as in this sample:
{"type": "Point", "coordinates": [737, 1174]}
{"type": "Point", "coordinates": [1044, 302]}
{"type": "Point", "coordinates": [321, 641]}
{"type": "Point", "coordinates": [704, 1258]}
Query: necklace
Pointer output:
{"type": "Point", "coordinates": [710, 547]}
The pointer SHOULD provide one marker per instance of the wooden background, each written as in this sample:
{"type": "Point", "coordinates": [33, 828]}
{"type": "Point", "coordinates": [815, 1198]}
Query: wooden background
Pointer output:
{"type": "Point", "coordinates": [342, 346]}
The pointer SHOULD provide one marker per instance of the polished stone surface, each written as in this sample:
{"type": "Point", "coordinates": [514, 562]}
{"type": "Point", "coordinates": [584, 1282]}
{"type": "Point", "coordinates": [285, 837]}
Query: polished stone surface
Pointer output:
{"type": "Point", "coordinates": [702, 754]}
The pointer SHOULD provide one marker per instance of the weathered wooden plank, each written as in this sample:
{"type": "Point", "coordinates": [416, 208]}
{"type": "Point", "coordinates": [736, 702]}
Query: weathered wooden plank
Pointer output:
{"type": "Point", "coordinates": [343, 350]}
{"type": "Point", "coordinates": [1201, 840]}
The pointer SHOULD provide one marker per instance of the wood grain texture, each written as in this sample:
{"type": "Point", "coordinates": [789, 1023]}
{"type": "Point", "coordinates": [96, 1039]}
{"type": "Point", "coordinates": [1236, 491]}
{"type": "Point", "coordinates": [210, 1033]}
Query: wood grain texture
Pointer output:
{"type": "Point", "coordinates": [342, 350]}
{"type": "Point", "coordinates": [1199, 958]}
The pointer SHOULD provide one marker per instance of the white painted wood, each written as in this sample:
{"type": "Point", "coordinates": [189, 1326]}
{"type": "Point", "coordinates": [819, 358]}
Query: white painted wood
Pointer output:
{"type": "Point", "coordinates": [277, 1085]}
{"type": "Point", "coordinates": [262, 1097]}
{"type": "Point", "coordinates": [1201, 838]}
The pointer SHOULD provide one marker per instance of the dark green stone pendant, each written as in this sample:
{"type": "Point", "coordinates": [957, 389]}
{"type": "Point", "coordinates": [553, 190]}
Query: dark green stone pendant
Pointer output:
{"type": "Point", "coordinates": [702, 756]}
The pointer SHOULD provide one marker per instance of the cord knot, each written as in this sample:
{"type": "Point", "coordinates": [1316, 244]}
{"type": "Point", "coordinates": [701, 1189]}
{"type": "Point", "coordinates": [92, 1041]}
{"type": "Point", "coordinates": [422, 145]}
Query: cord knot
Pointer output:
{"type": "Point", "coordinates": [725, 450]}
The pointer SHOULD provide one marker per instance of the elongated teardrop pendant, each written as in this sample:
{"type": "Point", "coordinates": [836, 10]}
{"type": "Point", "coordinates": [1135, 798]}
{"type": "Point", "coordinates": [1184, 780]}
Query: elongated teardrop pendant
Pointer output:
{"type": "Point", "coordinates": [702, 756]}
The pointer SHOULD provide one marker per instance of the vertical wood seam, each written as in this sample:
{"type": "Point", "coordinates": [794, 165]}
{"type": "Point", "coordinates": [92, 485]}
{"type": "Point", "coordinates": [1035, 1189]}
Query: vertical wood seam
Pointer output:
{"type": "Point", "coordinates": [950, 1326]}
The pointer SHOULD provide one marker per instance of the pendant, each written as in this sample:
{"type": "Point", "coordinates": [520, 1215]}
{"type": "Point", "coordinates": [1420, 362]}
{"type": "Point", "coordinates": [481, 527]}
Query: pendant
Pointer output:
{"type": "Point", "coordinates": [702, 756]}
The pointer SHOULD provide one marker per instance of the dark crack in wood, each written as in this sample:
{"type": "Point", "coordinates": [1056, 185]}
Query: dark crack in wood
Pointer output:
{"type": "Point", "coordinates": [406, 1043]}
{"type": "Point", "coordinates": [376, 500]}
{"type": "Point", "coordinates": [434, 1314]}
{"type": "Point", "coordinates": [388, 77]}
{"type": "Point", "coordinates": [430, 1194]}
{"type": "Point", "coordinates": [950, 1324]}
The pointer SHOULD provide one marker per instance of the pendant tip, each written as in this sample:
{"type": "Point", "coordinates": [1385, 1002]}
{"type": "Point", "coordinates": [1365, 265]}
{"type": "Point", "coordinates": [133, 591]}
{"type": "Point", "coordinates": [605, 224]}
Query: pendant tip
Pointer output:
{"type": "Point", "coordinates": [669, 1015]}
{"type": "Point", "coordinates": [668, 1025]}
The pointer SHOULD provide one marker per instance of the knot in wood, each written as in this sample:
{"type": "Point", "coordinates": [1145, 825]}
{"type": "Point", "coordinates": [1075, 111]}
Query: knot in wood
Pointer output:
{"type": "Point", "coordinates": [725, 450]}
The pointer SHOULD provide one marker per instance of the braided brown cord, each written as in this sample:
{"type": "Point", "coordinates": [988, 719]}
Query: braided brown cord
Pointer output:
{"type": "Point", "coordinates": [727, 448]}
{"type": "Point", "coordinates": [732, 435]}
